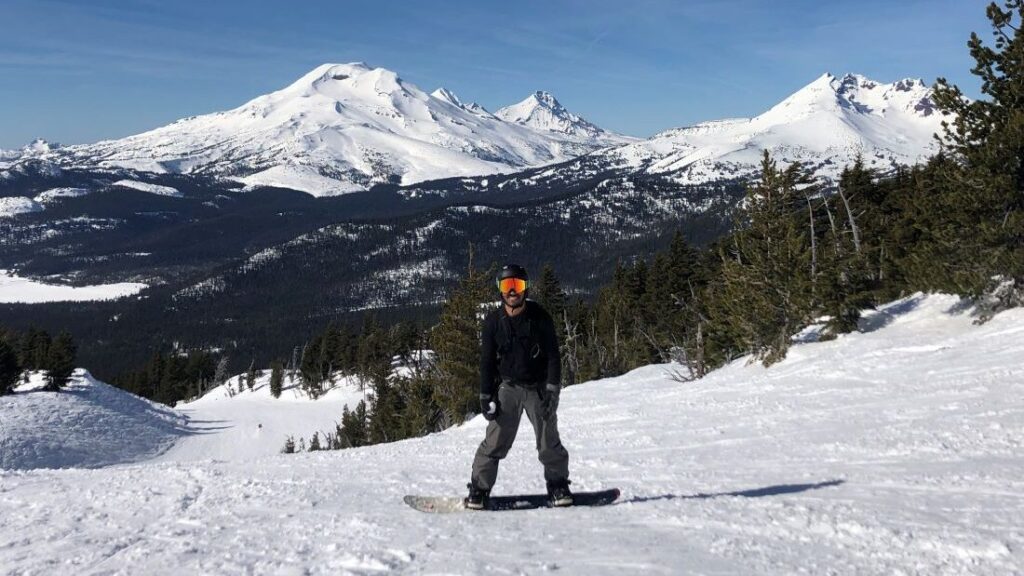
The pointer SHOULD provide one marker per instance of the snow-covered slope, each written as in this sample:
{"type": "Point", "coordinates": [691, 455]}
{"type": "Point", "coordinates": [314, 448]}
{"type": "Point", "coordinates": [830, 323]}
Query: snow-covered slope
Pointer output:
{"type": "Point", "coordinates": [244, 424]}
{"type": "Point", "coordinates": [826, 124]}
{"type": "Point", "coordinates": [339, 128]}
{"type": "Point", "coordinates": [14, 205]}
{"type": "Point", "coordinates": [87, 425]}
{"type": "Point", "coordinates": [15, 289]}
{"type": "Point", "coordinates": [896, 450]}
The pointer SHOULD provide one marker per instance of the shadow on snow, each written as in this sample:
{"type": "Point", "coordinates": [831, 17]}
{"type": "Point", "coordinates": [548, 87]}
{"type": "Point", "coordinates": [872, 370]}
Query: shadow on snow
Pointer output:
{"type": "Point", "coordinates": [776, 490]}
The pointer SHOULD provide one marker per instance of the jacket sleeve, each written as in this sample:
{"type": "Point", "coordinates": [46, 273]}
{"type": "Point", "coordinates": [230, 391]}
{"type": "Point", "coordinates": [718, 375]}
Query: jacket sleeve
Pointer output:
{"type": "Point", "coordinates": [488, 356]}
{"type": "Point", "coordinates": [551, 350]}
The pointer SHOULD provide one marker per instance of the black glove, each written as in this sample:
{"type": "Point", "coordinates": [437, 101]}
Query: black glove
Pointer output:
{"type": "Point", "coordinates": [549, 400]}
{"type": "Point", "coordinates": [488, 407]}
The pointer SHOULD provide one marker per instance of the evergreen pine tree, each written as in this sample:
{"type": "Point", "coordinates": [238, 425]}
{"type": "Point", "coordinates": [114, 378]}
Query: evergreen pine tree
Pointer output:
{"type": "Point", "coordinates": [765, 291]}
{"type": "Point", "coordinates": [60, 363]}
{"type": "Point", "coordinates": [220, 374]}
{"type": "Point", "coordinates": [289, 446]}
{"type": "Point", "coordinates": [9, 368]}
{"type": "Point", "coordinates": [547, 291]}
{"type": "Point", "coordinates": [456, 341]}
{"type": "Point", "coordinates": [842, 270]}
{"type": "Point", "coordinates": [311, 368]}
{"type": "Point", "coordinates": [34, 350]}
{"type": "Point", "coordinates": [250, 375]}
{"type": "Point", "coordinates": [276, 378]}
{"type": "Point", "coordinates": [982, 235]}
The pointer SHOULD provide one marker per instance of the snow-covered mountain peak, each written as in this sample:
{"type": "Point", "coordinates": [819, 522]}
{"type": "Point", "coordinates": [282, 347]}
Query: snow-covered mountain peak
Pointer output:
{"type": "Point", "coordinates": [446, 95]}
{"type": "Point", "coordinates": [541, 110]}
{"type": "Point", "coordinates": [39, 145]}
{"type": "Point", "coordinates": [547, 100]}
{"type": "Point", "coordinates": [347, 80]}
{"type": "Point", "coordinates": [825, 124]}
{"type": "Point", "coordinates": [342, 128]}
{"type": "Point", "coordinates": [852, 95]}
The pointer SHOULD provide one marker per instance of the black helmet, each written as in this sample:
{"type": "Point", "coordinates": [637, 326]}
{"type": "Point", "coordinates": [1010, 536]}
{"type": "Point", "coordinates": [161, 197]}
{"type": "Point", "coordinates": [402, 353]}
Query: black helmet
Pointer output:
{"type": "Point", "coordinates": [512, 271]}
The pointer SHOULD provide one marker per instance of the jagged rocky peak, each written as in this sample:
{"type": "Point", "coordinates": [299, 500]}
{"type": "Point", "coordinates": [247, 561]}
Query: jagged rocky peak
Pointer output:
{"type": "Point", "coordinates": [547, 99]}
{"type": "Point", "coordinates": [445, 95]}
{"type": "Point", "coordinates": [40, 145]}
{"type": "Point", "coordinates": [541, 110]}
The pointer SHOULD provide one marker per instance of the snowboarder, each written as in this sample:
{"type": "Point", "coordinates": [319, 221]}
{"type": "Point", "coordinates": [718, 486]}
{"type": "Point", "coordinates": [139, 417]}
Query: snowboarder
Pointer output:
{"type": "Point", "coordinates": [520, 370]}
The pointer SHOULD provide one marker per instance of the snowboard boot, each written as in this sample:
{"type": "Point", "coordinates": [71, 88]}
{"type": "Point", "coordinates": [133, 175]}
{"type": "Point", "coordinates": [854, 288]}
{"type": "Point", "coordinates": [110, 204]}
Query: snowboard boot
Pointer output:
{"type": "Point", "coordinates": [477, 499]}
{"type": "Point", "coordinates": [559, 494]}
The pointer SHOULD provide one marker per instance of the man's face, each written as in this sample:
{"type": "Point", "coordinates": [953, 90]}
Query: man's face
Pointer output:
{"type": "Point", "coordinates": [513, 298]}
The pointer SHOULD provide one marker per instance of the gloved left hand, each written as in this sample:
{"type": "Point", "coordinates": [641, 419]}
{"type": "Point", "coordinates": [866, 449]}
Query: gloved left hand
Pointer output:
{"type": "Point", "coordinates": [489, 407]}
{"type": "Point", "coordinates": [549, 401]}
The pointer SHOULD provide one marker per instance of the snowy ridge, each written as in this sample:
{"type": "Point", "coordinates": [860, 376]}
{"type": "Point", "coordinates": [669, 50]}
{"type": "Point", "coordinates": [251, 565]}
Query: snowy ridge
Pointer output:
{"type": "Point", "coordinates": [157, 189]}
{"type": "Point", "coordinates": [897, 449]}
{"type": "Point", "coordinates": [339, 128]}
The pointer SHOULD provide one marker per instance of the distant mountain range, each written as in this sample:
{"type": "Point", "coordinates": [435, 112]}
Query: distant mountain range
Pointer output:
{"type": "Point", "coordinates": [348, 127]}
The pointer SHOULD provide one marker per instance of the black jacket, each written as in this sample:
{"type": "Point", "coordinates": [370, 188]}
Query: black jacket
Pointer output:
{"type": "Point", "coordinates": [523, 349]}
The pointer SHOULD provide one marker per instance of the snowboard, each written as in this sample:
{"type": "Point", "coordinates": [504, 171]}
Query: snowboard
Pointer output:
{"type": "Point", "coordinates": [448, 504]}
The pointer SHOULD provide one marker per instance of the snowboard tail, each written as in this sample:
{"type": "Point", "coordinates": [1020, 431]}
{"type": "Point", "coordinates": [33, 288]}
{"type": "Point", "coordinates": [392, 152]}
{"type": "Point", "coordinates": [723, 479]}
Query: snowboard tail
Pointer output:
{"type": "Point", "coordinates": [449, 504]}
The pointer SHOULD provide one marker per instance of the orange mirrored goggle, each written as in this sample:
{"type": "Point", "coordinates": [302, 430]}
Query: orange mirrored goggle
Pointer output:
{"type": "Point", "coordinates": [506, 285]}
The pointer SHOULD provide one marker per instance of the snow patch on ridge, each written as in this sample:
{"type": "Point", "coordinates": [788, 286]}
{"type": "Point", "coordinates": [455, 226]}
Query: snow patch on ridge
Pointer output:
{"type": "Point", "coordinates": [57, 193]}
{"type": "Point", "coordinates": [157, 189]}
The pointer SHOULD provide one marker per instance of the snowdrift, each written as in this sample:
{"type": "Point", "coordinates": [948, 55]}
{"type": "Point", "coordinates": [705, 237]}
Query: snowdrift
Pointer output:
{"type": "Point", "coordinates": [87, 425]}
{"type": "Point", "coordinates": [894, 450]}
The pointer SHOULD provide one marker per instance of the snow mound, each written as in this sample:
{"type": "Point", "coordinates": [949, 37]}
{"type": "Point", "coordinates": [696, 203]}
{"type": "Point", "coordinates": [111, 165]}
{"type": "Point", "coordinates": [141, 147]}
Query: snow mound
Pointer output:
{"type": "Point", "coordinates": [89, 424]}
{"type": "Point", "coordinates": [150, 188]}
{"type": "Point", "coordinates": [14, 289]}
{"type": "Point", "coordinates": [12, 206]}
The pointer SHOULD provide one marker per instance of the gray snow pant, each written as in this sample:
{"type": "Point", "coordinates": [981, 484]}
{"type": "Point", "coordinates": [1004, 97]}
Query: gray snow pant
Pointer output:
{"type": "Point", "coordinates": [501, 433]}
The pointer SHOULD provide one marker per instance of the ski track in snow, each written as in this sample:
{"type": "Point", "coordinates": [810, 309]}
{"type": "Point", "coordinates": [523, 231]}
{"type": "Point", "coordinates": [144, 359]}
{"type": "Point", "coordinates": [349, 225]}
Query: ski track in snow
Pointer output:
{"type": "Point", "coordinates": [893, 451]}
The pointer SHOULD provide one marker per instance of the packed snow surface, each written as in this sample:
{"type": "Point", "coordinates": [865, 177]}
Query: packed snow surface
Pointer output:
{"type": "Point", "coordinates": [895, 450]}
{"type": "Point", "coordinates": [14, 289]}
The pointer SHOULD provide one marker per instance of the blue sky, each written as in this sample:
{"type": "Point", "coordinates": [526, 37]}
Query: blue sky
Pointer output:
{"type": "Point", "coordinates": [84, 70]}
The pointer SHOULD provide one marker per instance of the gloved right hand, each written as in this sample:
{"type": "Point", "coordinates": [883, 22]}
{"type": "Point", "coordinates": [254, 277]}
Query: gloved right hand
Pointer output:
{"type": "Point", "coordinates": [489, 407]}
